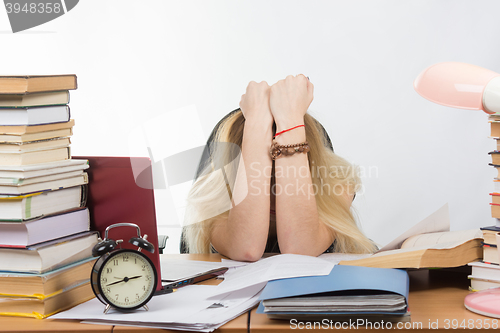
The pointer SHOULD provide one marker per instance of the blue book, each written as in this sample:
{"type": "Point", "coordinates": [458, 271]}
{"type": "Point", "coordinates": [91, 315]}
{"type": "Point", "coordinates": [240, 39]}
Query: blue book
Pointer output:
{"type": "Point", "coordinates": [309, 295]}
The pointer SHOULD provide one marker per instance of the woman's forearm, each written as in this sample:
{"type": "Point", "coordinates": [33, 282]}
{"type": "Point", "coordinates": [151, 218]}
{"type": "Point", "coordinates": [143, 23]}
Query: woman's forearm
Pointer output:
{"type": "Point", "coordinates": [243, 235]}
{"type": "Point", "coordinates": [298, 226]}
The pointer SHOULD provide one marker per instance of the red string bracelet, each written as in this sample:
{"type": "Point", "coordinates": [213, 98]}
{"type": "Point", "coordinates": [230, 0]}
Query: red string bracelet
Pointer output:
{"type": "Point", "coordinates": [275, 135]}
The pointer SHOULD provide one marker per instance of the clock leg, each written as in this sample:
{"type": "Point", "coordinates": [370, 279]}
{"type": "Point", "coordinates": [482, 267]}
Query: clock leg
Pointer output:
{"type": "Point", "coordinates": [107, 308]}
{"type": "Point", "coordinates": [146, 307]}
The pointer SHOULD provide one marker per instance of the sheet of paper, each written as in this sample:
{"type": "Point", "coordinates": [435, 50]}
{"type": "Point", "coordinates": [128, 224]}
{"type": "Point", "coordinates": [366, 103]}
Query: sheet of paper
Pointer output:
{"type": "Point", "coordinates": [335, 258]}
{"type": "Point", "coordinates": [436, 222]}
{"type": "Point", "coordinates": [234, 263]}
{"type": "Point", "coordinates": [176, 269]}
{"type": "Point", "coordinates": [228, 306]}
{"type": "Point", "coordinates": [276, 267]}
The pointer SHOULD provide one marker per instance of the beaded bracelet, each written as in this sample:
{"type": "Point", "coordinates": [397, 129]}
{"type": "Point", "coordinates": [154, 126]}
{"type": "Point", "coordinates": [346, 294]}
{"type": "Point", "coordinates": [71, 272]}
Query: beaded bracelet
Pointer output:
{"type": "Point", "coordinates": [277, 151]}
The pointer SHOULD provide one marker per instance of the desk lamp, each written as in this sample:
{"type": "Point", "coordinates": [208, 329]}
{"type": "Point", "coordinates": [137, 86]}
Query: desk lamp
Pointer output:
{"type": "Point", "coordinates": [460, 85]}
{"type": "Point", "coordinates": [470, 87]}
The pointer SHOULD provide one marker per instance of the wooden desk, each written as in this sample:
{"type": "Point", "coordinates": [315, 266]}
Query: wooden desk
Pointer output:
{"type": "Point", "coordinates": [436, 303]}
{"type": "Point", "coordinates": [237, 325]}
{"type": "Point", "coordinates": [30, 325]}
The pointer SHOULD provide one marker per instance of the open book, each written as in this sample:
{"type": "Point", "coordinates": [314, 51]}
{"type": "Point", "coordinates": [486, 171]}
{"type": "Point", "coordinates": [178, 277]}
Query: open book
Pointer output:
{"type": "Point", "coordinates": [425, 248]}
{"type": "Point", "coordinates": [440, 249]}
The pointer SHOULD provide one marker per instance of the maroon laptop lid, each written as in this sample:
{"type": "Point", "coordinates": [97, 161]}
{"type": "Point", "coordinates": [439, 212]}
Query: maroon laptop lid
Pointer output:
{"type": "Point", "coordinates": [114, 196]}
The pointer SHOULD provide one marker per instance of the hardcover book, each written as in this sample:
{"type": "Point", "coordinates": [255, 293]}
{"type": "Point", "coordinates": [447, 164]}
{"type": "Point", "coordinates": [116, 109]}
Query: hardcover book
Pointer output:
{"type": "Point", "coordinates": [49, 255]}
{"type": "Point", "coordinates": [31, 232]}
{"type": "Point", "coordinates": [439, 249]}
{"type": "Point", "coordinates": [38, 99]}
{"type": "Point", "coordinates": [26, 84]}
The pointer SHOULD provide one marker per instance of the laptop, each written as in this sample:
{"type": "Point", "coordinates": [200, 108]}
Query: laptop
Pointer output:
{"type": "Point", "coordinates": [114, 196]}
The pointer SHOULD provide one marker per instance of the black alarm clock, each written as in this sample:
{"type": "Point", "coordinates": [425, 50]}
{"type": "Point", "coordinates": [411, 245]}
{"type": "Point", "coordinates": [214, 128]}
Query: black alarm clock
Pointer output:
{"type": "Point", "coordinates": [123, 279]}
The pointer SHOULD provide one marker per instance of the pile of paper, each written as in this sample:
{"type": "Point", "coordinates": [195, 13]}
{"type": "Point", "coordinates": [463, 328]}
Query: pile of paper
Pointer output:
{"type": "Point", "coordinates": [192, 308]}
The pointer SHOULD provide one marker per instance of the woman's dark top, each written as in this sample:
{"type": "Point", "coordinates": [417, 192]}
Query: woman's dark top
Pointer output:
{"type": "Point", "coordinates": [272, 246]}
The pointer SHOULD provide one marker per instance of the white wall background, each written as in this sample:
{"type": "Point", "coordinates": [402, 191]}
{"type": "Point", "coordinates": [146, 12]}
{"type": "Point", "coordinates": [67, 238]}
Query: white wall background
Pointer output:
{"type": "Point", "coordinates": [139, 59]}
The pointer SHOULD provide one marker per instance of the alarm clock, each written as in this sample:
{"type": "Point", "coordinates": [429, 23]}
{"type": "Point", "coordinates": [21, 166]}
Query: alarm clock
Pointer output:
{"type": "Point", "coordinates": [123, 279]}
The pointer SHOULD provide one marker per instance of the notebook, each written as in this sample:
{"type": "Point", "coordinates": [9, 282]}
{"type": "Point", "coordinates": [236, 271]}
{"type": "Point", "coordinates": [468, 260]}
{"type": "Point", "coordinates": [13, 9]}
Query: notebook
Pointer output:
{"type": "Point", "coordinates": [346, 291]}
{"type": "Point", "coordinates": [114, 196]}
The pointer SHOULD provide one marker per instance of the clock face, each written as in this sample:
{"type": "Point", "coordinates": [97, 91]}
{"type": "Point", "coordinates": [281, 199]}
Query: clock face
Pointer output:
{"type": "Point", "coordinates": [126, 279]}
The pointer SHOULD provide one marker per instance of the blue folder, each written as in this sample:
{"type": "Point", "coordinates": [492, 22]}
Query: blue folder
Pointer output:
{"type": "Point", "coordinates": [342, 280]}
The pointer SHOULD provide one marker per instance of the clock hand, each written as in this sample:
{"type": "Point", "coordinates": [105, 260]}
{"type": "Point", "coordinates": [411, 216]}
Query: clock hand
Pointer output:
{"type": "Point", "coordinates": [115, 282]}
{"type": "Point", "coordinates": [134, 277]}
{"type": "Point", "coordinates": [126, 279]}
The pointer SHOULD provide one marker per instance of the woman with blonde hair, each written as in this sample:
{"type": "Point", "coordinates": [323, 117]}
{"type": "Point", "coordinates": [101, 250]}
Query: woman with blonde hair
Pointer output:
{"type": "Point", "coordinates": [286, 192]}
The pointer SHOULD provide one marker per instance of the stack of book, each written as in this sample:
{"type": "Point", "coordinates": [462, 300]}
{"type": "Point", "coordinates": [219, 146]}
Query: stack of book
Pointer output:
{"type": "Point", "coordinates": [495, 162]}
{"type": "Point", "coordinates": [486, 274]}
{"type": "Point", "coordinates": [45, 242]}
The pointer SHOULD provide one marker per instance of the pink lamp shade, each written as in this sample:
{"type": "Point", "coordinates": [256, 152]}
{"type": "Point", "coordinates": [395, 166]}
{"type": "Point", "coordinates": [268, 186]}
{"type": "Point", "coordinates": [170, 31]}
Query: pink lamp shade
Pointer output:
{"type": "Point", "coordinates": [460, 85]}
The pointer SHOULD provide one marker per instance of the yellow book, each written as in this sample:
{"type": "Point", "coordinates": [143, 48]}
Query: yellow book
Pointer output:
{"type": "Point", "coordinates": [26, 84]}
{"type": "Point", "coordinates": [47, 284]}
{"type": "Point", "coordinates": [36, 307]}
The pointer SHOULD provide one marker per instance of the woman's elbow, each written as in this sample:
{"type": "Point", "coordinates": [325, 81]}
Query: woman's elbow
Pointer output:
{"type": "Point", "coordinates": [313, 248]}
{"type": "Point", "coordinates": [238, 251]}
{"type": "Point", "coordinates": [247, 255]}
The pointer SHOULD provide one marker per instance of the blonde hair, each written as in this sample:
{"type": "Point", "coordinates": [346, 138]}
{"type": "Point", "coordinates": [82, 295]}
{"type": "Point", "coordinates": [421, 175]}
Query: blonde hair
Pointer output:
{"type": "Point", "coordinates": [209, 199]}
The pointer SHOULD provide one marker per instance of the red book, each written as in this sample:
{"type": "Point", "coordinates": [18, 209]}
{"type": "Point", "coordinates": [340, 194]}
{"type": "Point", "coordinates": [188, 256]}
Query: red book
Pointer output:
{"type": "Point", "coordinates": [115, 197]}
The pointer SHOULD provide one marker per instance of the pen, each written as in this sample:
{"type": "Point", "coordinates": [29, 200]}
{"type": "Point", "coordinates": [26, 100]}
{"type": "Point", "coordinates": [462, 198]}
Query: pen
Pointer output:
{"type": "Point", "coordinates": [165, 290]}
{"type": "Point", "coordinates": [171, 287]}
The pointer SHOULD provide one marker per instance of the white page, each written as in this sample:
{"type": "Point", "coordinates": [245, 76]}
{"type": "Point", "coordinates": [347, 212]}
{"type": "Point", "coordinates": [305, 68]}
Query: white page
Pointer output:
{"type": "Point", "coordinates": [234, 263]}
{"type": "Point", "coordinates": [176, 269]}
{"type": "Point", "coordinates": [435, 239]}
{"type": "Point", "coordinates": [276, 267]}
{"type": "Point", "coordinates": [436, 222]}
{"type": "Point", "coordinates": [338, 257]}
{"type": "Point", "coordinates": [467, 236]}
{"type": "Point", "coordinates": [228, 305]}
